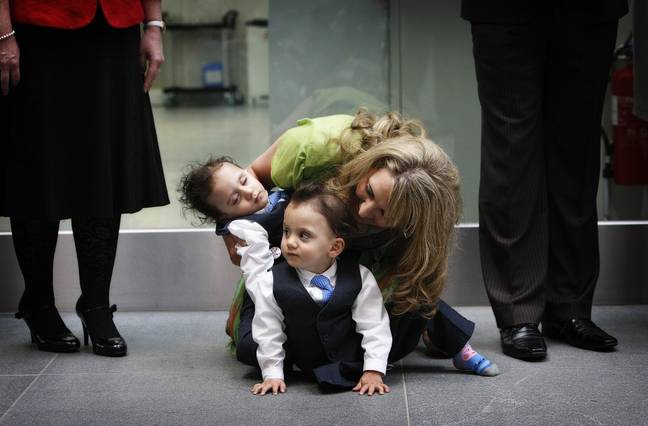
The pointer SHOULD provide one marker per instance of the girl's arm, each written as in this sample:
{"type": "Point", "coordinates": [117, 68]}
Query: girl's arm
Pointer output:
{"type": "Point", "coordinates": [261, 169]}
{"type": "Point", "coordinates": [262, 166]}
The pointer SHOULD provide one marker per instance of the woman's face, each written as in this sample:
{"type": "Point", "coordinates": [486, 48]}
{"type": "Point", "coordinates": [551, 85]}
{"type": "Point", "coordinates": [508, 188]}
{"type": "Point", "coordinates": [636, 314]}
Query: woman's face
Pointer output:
{"type": "Point", "coordinates": [373, 196]}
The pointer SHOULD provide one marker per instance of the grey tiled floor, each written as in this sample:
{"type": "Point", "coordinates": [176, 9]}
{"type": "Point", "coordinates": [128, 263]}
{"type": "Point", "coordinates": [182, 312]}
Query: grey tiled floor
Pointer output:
{"type": "Point", "coordinates": [178, 371]}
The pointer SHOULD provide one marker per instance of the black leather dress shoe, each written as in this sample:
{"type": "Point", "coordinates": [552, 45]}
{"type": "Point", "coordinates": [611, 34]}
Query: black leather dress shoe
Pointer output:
{"type": "Point", "coordinates": [523, 341]}
{"type": "Point", "coordinates": [580, 332]}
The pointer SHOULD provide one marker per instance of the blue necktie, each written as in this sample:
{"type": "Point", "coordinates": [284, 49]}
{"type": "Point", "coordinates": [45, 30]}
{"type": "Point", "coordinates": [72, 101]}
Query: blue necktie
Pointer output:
{"type": "Point", "coordinates": [274, 198]}
{"type": "Point", "coordinates": [322, 282]}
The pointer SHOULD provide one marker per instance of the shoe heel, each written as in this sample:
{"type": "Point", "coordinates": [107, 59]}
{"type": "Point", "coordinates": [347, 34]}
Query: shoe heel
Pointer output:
{"type": "Point", "coordinates": [85, 334]}
{"type": "Point", "coordinates": [55, 339]}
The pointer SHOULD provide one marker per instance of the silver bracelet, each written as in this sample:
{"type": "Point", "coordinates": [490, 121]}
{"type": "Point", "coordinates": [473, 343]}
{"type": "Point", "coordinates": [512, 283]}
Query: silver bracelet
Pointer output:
{"type": "Point", "coordinates": [11, 34]}
{"type": "Point", "coordinates": [157, 24]}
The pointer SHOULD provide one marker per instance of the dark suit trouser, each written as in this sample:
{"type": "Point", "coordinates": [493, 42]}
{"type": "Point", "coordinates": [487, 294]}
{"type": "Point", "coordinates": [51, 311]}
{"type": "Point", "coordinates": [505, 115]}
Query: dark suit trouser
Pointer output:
{"type": "Point", "coordinates": [541, 89]}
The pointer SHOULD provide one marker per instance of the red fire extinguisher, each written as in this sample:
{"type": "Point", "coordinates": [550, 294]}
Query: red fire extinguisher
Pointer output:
{"type": "Point", "coordinates": [629, 133]}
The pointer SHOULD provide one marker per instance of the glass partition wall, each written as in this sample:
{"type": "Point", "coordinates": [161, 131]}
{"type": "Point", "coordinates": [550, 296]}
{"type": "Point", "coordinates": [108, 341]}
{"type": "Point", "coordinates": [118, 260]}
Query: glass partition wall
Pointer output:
{"type": "Point", "coordinates": [239, 73]}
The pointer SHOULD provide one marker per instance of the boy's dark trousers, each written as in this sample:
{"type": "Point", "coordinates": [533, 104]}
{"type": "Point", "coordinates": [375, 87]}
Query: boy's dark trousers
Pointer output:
{"type": "Point", "coordinates": [448, 331]}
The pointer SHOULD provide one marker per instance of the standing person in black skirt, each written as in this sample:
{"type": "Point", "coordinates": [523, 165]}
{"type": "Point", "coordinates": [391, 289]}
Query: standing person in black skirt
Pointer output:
{"type": "Point", "coordinates": [77, 140]}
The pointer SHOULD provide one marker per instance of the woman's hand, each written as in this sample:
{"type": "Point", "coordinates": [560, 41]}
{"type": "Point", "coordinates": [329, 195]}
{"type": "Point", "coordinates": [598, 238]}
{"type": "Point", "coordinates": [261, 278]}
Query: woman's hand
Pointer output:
{"type": "Point", "coordinates": [370, 382]}
{"type": "Point", "coordinates": [276, 385]}
{"type": "Point", "coordinates": [151, 55]}
{"type": "Point", "coordinates": [9, 64]}
{"type": "Point", "coordinates": [231, 242]}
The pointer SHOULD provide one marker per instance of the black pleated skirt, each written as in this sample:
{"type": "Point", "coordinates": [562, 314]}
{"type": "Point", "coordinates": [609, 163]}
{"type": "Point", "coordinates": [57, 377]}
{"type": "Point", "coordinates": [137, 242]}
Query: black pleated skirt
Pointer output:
{"type": "Point", "coordinates": [77, 137]}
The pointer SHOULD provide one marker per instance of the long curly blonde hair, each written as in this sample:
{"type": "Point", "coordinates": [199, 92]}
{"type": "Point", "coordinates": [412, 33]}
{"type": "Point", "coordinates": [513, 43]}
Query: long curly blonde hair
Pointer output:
{"type": "Point", "coordinates": [424, 204]}
{"type": "Point", "coordinates": [367, 130]}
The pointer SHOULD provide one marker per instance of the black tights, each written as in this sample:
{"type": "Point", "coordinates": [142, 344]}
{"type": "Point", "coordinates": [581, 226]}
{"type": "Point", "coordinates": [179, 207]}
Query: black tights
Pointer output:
{"type": "Point", "coordinates": [96, 245]}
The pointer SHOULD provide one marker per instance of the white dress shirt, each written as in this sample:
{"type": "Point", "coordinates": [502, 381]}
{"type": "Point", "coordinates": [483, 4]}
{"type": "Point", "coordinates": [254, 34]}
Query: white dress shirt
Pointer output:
{"type": "Point", "coordinates": [368, 310]}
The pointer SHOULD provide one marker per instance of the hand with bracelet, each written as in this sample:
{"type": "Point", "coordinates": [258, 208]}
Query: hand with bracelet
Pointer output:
{"type": "Point", "coordinates": [151, 53]}
{"type": "Point", "coordinates": [9, 51]}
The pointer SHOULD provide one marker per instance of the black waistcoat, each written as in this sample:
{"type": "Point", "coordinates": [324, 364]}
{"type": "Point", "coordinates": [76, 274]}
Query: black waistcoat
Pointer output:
{"type": "Point", "coordinates": [319, 335]}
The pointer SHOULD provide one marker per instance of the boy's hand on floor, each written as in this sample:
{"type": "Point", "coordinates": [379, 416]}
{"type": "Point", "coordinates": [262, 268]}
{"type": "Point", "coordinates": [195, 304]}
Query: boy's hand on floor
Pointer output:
{"type": "Point", "coordinates": [370, 382]}
{"type": "Point", "coordinates": [274, 385]}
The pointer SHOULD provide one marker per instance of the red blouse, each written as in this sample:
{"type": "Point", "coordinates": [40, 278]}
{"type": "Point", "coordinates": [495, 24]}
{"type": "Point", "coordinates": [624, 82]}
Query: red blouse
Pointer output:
{"type": "Point", "coordinates": [70, 14]}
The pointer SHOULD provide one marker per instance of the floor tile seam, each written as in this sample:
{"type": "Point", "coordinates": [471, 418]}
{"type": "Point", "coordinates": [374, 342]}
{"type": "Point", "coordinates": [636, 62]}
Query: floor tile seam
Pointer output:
{"type": "Point", "coordinates": [407, 414]}
{"type": "Point", "coordinates": [506, 373]}
{"type": "Point", "coordinates": [127, 373]}
{"type": "Point", "coordinates": [580, 368]}
{"type": "Point", "coordinates": [20, 375]}
{"type": "Point", "coordinates": [417, 369]}
{"type": "Point", "coordinates": [164, 373]}
{"type": "Point", "coordinates": [27, 388]}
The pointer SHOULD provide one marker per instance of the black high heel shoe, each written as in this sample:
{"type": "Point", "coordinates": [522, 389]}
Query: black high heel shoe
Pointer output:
{"type": "Point", "coordinates": [98, 324]}
{"type": "Point", "coordinates": [48, 330]}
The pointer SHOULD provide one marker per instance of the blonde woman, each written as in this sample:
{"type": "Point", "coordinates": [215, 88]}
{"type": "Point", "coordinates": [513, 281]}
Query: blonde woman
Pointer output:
{"type": "Point", "coordinates": [404, 192]}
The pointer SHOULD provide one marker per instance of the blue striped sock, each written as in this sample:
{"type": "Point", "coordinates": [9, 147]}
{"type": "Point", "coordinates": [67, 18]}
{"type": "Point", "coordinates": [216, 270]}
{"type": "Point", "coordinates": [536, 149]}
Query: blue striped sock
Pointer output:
{"type": "Point", "coordinates": [470, 360]}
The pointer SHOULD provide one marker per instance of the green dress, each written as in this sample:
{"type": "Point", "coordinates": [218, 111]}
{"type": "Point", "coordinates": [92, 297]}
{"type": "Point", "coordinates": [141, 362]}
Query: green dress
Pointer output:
{"type": "Point", "coordinates": [310, 152]}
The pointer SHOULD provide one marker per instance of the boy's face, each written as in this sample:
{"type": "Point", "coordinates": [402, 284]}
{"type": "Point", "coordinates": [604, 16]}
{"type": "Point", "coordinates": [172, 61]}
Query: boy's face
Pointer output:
{"type": "Point", "coordinates": [235, 192]}
{"type": "Point", "coordinates": [308, 242]}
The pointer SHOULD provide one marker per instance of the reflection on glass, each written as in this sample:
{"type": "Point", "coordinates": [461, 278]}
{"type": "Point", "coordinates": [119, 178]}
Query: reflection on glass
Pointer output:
{"type": "Point", "coordinates": [321, 58]}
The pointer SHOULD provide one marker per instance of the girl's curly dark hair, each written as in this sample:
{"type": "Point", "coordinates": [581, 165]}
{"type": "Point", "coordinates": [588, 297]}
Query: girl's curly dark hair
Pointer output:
{"type": "Point", "coordinates": [195, 187]}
